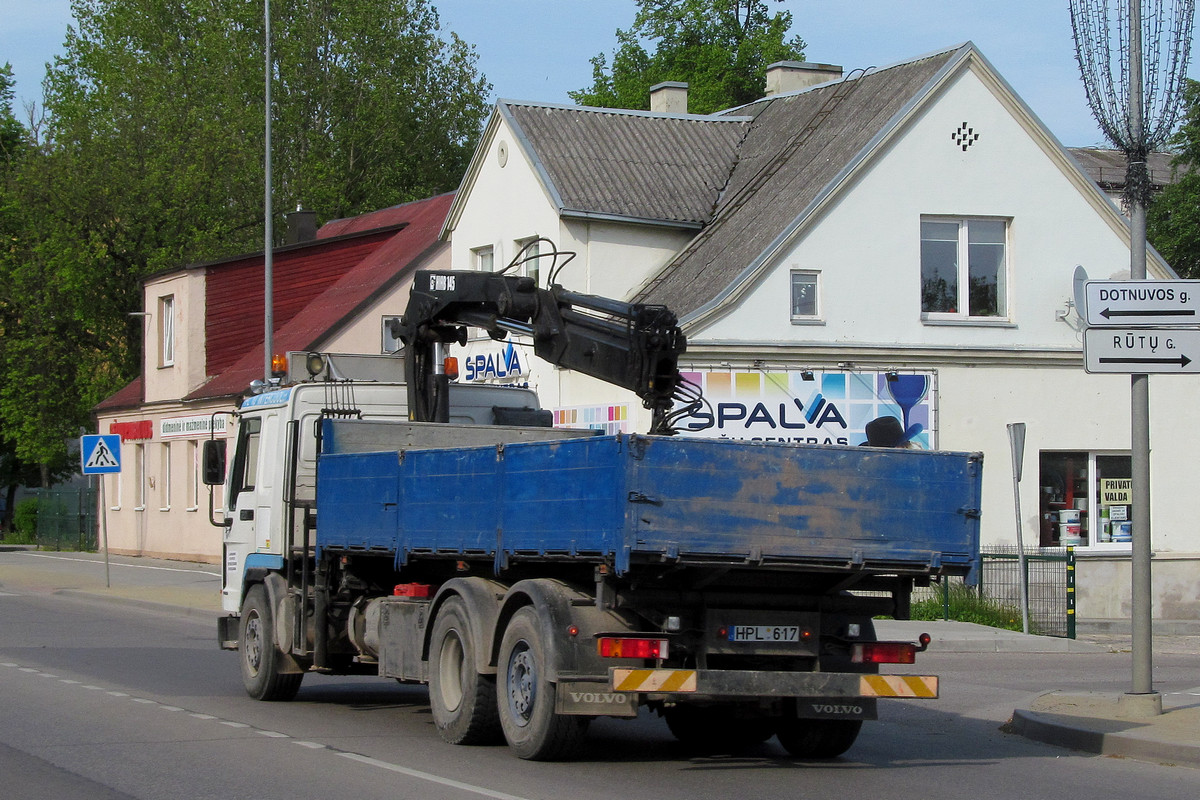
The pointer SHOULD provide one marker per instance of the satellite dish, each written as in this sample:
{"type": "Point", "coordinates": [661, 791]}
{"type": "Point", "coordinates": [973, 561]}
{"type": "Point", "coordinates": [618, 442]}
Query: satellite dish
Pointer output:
{"type": "Point", "coordinates": [1078, 282]}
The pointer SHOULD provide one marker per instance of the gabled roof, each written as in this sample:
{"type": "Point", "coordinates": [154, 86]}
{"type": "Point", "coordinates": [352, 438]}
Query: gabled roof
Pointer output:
{"type": "Point", "coordinates": [630, 165]}
{"type": "Point", "coordinates": [796, 152]}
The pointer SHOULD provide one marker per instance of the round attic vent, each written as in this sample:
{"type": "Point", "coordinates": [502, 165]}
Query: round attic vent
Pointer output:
{"type": "Point", "coordinates": [502, 153]}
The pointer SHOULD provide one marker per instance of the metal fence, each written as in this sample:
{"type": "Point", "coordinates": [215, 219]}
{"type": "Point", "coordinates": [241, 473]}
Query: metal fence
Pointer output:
{"type": "Point", "coordinates": [66, 518]}
{"type": "Point", "coordinates": [1051, 573]}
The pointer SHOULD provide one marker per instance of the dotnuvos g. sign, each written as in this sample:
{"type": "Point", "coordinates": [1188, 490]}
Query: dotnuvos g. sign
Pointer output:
{"type": "Point", "coordinates": [810, 407]}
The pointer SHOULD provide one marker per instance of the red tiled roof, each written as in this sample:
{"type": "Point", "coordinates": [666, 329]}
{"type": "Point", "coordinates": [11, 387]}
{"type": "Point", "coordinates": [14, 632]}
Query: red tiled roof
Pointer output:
{"type": "Point", "coordinates": [380, 269]}
{"type": "Point", "coordinates": [128, 397]}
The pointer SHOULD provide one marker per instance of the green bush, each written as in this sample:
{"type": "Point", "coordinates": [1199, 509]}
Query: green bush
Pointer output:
{"type": "Point", "coordinates": [966, 605]}
{"type": "Point", "coordinates": [24, 522]}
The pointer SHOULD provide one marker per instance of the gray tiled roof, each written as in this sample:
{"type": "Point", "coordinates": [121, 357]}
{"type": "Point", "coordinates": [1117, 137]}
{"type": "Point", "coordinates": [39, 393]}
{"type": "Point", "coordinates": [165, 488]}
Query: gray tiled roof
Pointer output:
{"type": "Point", "coordinates": [668, 169]}
{"type": "Point", "coordinates": [783, 167]}
{"type": "Point", "coordinates": [1107, 167]}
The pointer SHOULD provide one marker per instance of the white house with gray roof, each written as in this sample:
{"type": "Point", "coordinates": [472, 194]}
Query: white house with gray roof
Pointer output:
{"type": "Point", "coordinates": [900, 241]}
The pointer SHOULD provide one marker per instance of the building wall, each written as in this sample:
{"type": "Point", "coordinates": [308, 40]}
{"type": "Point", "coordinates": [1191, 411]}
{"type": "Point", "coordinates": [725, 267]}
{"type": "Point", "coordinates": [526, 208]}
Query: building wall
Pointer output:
{"type": "Point", "coordinates": [185, 290]}
{"type": "Point", "coordinates": [157, 506]}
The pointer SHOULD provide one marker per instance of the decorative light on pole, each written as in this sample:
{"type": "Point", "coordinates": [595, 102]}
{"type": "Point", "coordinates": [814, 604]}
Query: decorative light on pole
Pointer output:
{"type": "Point", "coordinates": [1133, 56]}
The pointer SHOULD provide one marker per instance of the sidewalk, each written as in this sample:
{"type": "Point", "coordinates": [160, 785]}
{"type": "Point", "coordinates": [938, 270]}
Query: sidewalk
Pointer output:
{"type": "Point", "coordinates": [1096, 722]}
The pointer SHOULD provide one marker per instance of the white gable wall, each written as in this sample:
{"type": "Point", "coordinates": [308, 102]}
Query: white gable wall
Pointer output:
{"type": "Point", "coordinates": [866, 243]}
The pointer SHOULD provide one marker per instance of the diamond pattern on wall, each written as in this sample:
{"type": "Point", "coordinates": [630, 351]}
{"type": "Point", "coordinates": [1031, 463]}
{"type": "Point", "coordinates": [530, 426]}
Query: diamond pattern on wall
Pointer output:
{"type": "Point", "coordinates": [964, 136]}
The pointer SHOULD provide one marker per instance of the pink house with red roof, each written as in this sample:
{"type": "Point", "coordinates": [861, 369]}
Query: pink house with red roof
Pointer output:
{"type": "Point", "coordinates": [204, 346]}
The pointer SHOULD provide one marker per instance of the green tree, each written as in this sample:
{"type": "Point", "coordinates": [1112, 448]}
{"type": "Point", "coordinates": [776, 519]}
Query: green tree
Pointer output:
{"type": "Point", "coordinates": [1173, 218]}
{"type": "Point", "coordinates": [721, 48]}
{"type": "Point", "coordinates": [152, 159]}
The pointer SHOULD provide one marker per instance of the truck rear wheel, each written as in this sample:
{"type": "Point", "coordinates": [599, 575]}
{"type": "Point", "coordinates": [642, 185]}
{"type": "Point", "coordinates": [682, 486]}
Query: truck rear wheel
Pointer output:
{"type": "Point", "coordinates": [463, 701]}
{"type": "Point", "coordinates": [526, 702]}
{"type": "Point", "coordinates": [818, 738]}
{"type": "Point", "coordinates": [259, 656]}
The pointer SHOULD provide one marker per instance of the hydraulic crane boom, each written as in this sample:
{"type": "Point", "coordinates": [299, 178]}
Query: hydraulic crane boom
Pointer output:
{"type": "Point", "coordinates": [630, 345]}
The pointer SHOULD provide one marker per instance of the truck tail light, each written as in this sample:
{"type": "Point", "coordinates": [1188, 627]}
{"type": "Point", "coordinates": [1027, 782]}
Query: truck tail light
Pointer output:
{"type": "Point", "coordinates": [614, 647]}
{"type": "Point", "coordinates": [884, 653]}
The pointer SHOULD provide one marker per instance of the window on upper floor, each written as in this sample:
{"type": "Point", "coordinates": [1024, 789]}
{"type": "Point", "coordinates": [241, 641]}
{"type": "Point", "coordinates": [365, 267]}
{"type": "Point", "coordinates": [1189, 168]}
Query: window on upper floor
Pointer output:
{"type": "Point", "coordinates": [483, 258]}
{"type": "Point", "coordinates": [805, 296]}
{"type": "Point", "coordinates": [166, 331]}
{"type": "Point", "coordinates": [964, 268]}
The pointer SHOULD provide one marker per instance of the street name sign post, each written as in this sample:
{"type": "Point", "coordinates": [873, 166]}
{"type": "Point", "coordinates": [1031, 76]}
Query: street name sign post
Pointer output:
{"type": "Point", "coordinates": [1118, 344]}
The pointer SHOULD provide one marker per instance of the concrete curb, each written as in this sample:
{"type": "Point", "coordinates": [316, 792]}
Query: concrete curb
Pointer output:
{"type": "Point", "coordinates": [1168, 739]}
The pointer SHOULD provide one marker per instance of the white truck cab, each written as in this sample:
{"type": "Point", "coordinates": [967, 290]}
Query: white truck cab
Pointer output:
{"type": "Point", "coordinates": [277, 432]}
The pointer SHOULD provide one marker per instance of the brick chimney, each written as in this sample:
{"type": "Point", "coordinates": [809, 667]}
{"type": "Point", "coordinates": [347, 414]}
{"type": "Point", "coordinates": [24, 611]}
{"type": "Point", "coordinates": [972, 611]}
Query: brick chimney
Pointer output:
{"type": "Point", "coordinates": [791, 76]}
{"type": "Point", "coordinates": [669, 97]}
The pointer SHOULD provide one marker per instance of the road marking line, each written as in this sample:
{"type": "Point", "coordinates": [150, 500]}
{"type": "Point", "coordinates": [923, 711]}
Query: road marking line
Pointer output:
{"type": "Point", "coordinates": [141, 700]}
{"type": "Point", "coordinates": [203, 716]}
{"type": "Point", "coordinates": [273, 734]}
{"type": "Point", "coordinates": [233, 724]}
{"type": "Point", "coordinates": [311, 745]}
{"type": "Point", "coordinates": [425, 776]}
{"type": "Point", "coordinates": [118, 694]}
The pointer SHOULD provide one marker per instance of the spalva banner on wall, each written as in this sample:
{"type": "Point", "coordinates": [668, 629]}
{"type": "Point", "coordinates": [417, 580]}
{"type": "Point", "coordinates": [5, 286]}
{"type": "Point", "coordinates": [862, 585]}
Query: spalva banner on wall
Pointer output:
{"type": "Point", "coordinates": [809, 406]}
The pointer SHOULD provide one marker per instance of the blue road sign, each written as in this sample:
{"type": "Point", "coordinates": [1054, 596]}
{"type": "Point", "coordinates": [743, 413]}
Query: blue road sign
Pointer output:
{"type": "Point", "coordinates": [100, 454]}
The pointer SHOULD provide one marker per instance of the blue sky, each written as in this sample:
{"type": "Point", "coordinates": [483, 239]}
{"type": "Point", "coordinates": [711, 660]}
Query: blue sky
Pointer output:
{"type": "Point", "coordinates": [540, 49]}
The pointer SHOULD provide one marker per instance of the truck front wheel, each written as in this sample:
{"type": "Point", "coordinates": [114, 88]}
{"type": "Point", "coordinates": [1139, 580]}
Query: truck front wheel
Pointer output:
{"type": "Point", "coordinates": [463, 701]}
{"type": "Point", "coordinates": [526, 702]}
{"type": "Point", "coordinates": [260, 658]}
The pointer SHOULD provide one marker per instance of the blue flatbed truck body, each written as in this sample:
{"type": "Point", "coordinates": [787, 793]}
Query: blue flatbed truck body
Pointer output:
{"type": "Point", "coordinates": [630, 499]}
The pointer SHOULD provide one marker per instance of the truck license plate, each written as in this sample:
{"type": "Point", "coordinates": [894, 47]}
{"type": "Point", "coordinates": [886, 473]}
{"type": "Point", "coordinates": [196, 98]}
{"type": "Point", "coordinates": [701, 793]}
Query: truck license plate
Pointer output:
{"type": "Point", "coordinates": [764, 633]}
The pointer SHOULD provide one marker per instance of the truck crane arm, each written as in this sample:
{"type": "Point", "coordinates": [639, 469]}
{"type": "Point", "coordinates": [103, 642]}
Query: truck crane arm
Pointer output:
{"type": "Point", "coordinates": [631, 345]}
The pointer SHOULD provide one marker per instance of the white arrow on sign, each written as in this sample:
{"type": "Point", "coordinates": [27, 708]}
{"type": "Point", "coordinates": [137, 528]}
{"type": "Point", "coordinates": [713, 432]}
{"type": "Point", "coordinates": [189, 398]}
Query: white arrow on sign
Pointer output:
{"type": "Point", "coordinates": [1142, 302]}
{"type": "Point", "coordinates": [1142, 350]}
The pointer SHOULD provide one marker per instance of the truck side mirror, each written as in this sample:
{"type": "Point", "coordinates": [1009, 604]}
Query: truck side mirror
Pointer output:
{"type": "Point", "coordinates": [212, 459]}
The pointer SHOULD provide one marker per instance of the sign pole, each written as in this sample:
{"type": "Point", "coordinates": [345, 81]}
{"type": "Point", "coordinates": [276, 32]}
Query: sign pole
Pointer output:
{"type": "Point", "coordinates": [1016, 438]}
{"type": "Point", "coordinates": [104, 530]}
{"type": "Point", "coordinates": [101, 455]}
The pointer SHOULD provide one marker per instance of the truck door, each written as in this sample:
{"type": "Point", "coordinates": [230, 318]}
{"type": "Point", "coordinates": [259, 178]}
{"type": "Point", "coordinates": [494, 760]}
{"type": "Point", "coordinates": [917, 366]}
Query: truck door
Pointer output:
{"type": "Point", "coordinates": [243, 518]}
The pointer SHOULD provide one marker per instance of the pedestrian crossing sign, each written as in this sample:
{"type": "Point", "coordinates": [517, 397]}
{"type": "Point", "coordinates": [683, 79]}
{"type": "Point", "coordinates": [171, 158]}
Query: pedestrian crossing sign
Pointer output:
{"type": "Point", "coordinates": [100, 454]}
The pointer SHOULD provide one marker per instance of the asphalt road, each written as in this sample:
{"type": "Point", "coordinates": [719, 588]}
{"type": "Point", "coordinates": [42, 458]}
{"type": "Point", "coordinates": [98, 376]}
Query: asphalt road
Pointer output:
{"type": "Point", "coordinates": [104, 700]}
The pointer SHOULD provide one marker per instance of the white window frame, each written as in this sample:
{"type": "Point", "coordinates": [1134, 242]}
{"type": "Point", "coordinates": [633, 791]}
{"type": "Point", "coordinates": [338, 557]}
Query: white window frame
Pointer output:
{"type": "Point", "coordinates": [139, 466]}
{"type": "Point", "coordinates": [962, 312]}
{"type": "Point", "coordinates": [1094, 545]}
{"type": "Point", "coordinates": [483, 259]}
{"type": "Point", "coordinates": [193, 451]}
{"type": "Point", "coordinates": [166, 331]}
{"type": "Point", "coordinates": [817, 316]}
{"type": "Point", "coordinates": [116, 491]}
{"type": "Point", "coordinates": [164, 476]}
{"type": "Point", "coordinates": [531, 268]}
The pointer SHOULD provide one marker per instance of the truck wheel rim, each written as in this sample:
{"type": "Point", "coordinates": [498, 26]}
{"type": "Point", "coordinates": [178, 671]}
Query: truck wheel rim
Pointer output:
{"type": "Point", "coordinates": [522, 684]}
{"type": "Point", "coordinates": [253, 643]}
{"type": "Point", "coordinates": [450, 668]}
